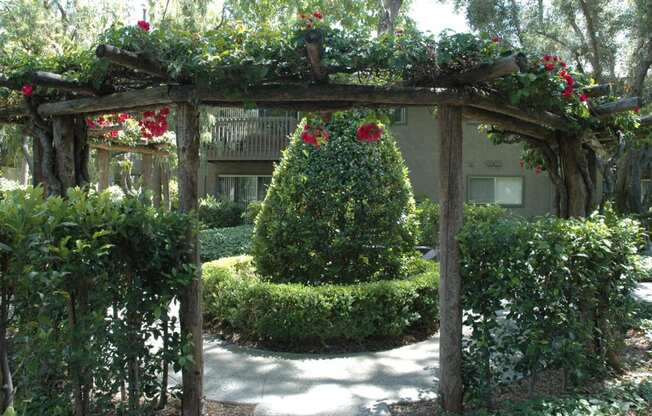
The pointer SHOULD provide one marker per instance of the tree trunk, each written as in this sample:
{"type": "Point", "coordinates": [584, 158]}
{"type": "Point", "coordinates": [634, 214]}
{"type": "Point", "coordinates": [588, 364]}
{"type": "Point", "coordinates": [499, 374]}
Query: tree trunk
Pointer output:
{"type": "Point", "coordinates": [190, 311]}
{"type": "Point", "coordinates": [165, 185]}
{"type": "Point", "coordinates": [389, 10]}
{"type": "Point", "coordinates": [451, 199]}
{"type": "Point", "coordinates": [37, 172]}
{"type": "Point", "coordinates": [7, 378]}
{"type": "Point", "coordinates": [576, 176]}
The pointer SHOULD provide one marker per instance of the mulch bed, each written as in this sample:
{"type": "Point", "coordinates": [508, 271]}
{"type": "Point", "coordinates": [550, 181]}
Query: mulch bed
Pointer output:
{"type": "Point", "coordinates": [636, 360]}
{"type": "Point", "coordinates": [213, 408]}
{"type": "Point", "coordinates": [336, 346]}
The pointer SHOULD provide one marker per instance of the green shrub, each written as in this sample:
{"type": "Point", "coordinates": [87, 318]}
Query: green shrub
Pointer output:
{"type": "Point", "coordinates": [567, 285]}
{"type": "Point", "coordinates": [219, 213]}
{"type": "Point", "coordinates": [216, 243]}
{"type": "Point", "coordinates": [251, 212]}
{"type": "Point", "coordinates": [238, 300]}
{"type": "Point", "coordinates": [428, 218]}
{"type": "Point", "coordinates": [342, 212]}
{"type": "Point", "coordinates": [64, 263]}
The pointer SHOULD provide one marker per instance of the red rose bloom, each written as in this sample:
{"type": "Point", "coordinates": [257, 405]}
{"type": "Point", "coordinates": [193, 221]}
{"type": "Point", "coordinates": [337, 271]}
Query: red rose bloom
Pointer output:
{"type": "Point", "coordinates": [496, 39]}
{"type": "Point", "coordinates": [309, 138]}
{"type": "Point", "coordinates": [123, 117]}
{"type": "Point", "coordinates": [318, 15]}
{"type": "Point", "coordinates": [27, 90]}
{"type": "Point", "coordinates": [584, 98]}
{"type": "Point", "coordinates": [143, 25]}
{"type": "Point", "coordinates": [567, 92]}
{"type": "Point", "coordinates": [90, 123]}
{"type": "Point", "coordinates": [569, 80]}
{"type": "Point", "coordinates": [547, 58]}
{"type": "Point", "coordinates": [549, 67]}
{"type": "Point", "coordinates": [164, 111]}
{"type": "Point", "coordinates": [563, 64]}
{"type": "Point", "coordinates": [114, 133]}
{"type": "Point", "coordinates": [637, 110]}
{"type": "Point", "coordinates": [369, 132]}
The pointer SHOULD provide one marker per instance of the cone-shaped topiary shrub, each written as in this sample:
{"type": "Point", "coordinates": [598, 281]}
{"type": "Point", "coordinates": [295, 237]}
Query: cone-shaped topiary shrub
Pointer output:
{"type": "Point", "coordinates": [340, 207]}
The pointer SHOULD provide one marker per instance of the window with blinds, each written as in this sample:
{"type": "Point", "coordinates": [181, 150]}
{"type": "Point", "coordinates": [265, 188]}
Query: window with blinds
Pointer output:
{"type": "Point", "coordinates": [243, 189]}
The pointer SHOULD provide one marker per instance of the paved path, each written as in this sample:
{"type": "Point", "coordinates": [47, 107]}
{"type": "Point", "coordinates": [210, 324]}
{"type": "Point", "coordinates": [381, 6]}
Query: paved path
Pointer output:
{"type": "Point", "coordinates": [307, 384]}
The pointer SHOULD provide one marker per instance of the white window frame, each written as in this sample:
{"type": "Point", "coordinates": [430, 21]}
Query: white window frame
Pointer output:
{"type": "Point", "coordinates": [495, 179]}
{"type": "Point", "coordinates": [217, 182]}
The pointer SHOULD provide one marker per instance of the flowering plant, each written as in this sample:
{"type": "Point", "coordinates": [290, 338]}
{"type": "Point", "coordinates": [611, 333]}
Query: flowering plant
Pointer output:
{"type": "Point", "coordinates": [151, 128]}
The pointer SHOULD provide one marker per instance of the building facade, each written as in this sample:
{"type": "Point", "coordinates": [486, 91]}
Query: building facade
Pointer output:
{"type": "Point", "coordinates": [239, 162]}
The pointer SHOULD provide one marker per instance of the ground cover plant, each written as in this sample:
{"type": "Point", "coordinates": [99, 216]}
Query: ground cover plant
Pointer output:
{"type": "Point", "coordinates": [216, 243]}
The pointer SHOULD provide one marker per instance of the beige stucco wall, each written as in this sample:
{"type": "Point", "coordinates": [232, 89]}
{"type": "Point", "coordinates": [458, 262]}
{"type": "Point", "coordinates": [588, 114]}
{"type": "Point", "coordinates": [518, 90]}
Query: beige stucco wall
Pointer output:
{"type": "Point", "coordinates": [418, 140]}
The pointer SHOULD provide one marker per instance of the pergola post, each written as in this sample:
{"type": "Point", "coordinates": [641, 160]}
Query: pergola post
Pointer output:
{"type": "Point", "coordinates": [190, 311]}
{"type": "Point", "coordinates": [103, 169]}
{"type": "Point", "coordinates": [451, 199]}
{"type": "Point", "coordinates": [147, 172]}
{"type": "Point", "coordinates": [63, 140]}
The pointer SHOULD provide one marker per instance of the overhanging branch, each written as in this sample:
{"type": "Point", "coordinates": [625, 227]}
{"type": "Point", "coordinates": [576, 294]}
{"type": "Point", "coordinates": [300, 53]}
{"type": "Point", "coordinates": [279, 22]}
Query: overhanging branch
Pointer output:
{"type": "Point", "coordinates": [508, 123]}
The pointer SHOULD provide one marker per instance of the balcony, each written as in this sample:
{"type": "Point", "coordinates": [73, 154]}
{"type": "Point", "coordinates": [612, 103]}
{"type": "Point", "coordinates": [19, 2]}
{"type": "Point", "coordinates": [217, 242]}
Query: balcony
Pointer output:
{"type": "Point", "coordinates": [249, 138]}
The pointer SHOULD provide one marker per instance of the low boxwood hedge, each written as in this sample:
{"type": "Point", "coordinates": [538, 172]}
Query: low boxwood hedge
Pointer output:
{"type": "Point", "coordinates": [237, 300]}
{"type": "Point", "coordinates": [216, 243]}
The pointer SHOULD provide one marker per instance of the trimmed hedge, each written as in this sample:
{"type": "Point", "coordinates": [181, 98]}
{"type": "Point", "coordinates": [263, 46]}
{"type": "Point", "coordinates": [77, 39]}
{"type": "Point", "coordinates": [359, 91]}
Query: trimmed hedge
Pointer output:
{"type": "Point", "coordinates": [237, 300]}
{"type": "Point", "coordinates": [342, 212]}
{"type": "Point", "coordinates": [219, 213]}
{"type": "Point", "coordinates": [216, 243]}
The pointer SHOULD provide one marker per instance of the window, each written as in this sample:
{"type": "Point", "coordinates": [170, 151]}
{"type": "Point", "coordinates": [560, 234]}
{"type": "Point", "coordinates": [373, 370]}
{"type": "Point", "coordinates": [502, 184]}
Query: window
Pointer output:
{"type": "Point", "coordinates": [398, 115]}
{"type": "Point", "coordinates": [243, 189]}
{"type": "Point", "coordinates": [501, 190]}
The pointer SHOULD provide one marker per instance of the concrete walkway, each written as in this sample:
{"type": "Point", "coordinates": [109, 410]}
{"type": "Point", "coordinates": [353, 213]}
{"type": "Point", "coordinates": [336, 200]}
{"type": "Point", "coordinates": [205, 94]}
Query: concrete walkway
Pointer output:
{"type": "Point", "coordinates": [307, 384]}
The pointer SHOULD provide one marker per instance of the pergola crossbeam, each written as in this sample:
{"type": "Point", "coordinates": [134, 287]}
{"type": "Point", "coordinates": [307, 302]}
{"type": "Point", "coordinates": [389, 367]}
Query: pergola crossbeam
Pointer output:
{"type": "Point", "coordinates": [627, 104]}
{"type": "Point", "coordinates": [508, 123]}
{"type": "Point", "coordinates": [132, 60]}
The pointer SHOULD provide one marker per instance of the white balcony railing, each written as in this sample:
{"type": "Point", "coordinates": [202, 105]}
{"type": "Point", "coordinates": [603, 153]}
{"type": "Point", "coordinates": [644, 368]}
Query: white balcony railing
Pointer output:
{"type": "Point", "coordinates": [249, 138]}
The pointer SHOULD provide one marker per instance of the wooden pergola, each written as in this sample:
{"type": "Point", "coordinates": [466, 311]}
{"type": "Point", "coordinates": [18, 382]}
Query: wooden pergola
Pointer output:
{"type": "Point", "coordinates": [59, 131]}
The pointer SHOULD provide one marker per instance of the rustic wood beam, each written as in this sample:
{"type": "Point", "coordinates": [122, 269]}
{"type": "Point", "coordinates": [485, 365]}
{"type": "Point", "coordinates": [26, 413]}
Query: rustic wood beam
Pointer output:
{"type": "Point", "coordinates": [11, 115]}
{"type": "Point", "coordinates": [56, 81]}
{"type": "Point", "coordinates": [451, 201]}
{"type": "Point", "coordinates": [190, 309]}
{"type": "Point", "coordinates": [626, 104]}
{"type": "Point", "coordinates": [508, 123]}
{"type": "Point", "coordinates": [121, 101]}
{"type": "Point", "coordinates": [121, 148]}
{"type": "Point", "coordinates": [646, 121]}
{"type": "Point", "coordinates": [542, 118]}
{"type": "Point", "coordinates": [597, 90]}
{"type": "Point", "coordinates": [313, 45]}
{"type": "Point", "coordinates": [134, 60]}
{"type": "Point", "coordinates": [486, 72]}
{"type": "Point", "coordinates": [63, 143]}
{"type": "Point", "coordinates": [101, 131]}
{"type": "Point", "coordinates": [103, 168]}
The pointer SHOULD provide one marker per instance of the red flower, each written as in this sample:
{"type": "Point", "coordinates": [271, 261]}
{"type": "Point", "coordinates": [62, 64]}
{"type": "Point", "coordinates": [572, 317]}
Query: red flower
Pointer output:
{"type": "Point", "coordinates": [101, 121]}
{"type": "Point", "coordinates": [569, 80]}
{"type": "Point", "coordinates": [547, 58]}
{"type": "Point", "coordinates": [309, 138]}
{"type": "Point", "coordinates": [114, 133]}
{"type": "Point", "coordinates": [637, 110]}
{"type": "Point", "coordinates": [27, 90]}
{"type": "Point", "coordinates": [123, 117]}
{"type": "Point", "coordinates": [555, 58]}
{"type": "Point", "coordinates": [164, 111]}
{"type": "Point", "coordinates": [148, 114]}
{"type": "Point", "coordinates": [567, 92]}
{"type": "Point", "coordinates": [549, 67]}
{"type": "Point", "coordinates": [318, 15]}
{"type": "Point", "coordinates": [143, 25]}
{"type": "Point", "coordinates": [496, 39]}
{"type": "Point", "coordinates": [563, 73]}
{"type": "Point", "coordinates": [563, 64]}
{"type": "Point", "coordinates": [370, 132]}
{"type": "Point", "coordinates": [584, 98]}
{"type": "Point", "coordinates": [90, 123]}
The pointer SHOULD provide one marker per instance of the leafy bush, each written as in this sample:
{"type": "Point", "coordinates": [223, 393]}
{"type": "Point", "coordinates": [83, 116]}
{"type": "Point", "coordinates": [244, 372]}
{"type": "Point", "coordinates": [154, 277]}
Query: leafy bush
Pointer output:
{"type": "Point", "coordinates": [64, 264]}
{"type": "Point", "coordinates": [251, 212]}
{"type": "Point", "coordinates": [428, 218]}
{"type": "Point", "coordinates": [216, 243]}
{"type": "Point", "coordinates": [239, 300]}
{"type": "Point", "coordinates": [219, 213]}
{"type": "Point", "coordinates": [341, 212]}
{"type": "Point", "coordinates": [567, 285]}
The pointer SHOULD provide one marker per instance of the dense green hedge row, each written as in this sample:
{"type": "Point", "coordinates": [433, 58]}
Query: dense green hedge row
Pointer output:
{"type": "Point", "coordinates": [219, 213]}
{"type": "Point", "coordinates": [216, 243]}
{"type": "Point", "coordinates": [565, 285]}
{"type": "Point", "coordinates": [237, 299]}
{"type": "Point", "coordinates": [428, 219]}
{"type": "Point", "coordinates": [86, 282]}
